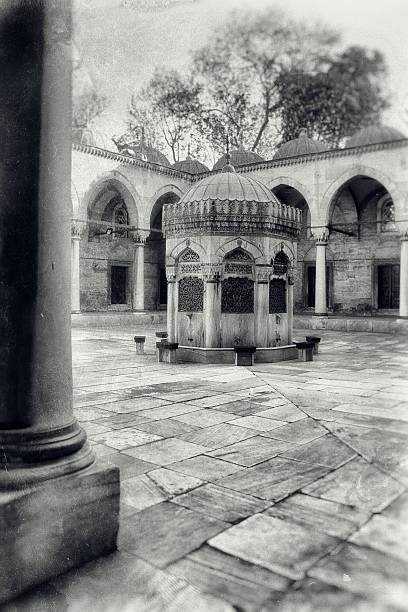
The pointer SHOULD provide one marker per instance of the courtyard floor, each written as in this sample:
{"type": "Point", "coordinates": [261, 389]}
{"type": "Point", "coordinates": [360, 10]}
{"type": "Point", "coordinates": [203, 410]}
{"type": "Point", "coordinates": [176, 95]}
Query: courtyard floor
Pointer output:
{"type": "Point", "coordinates": [278, 487]}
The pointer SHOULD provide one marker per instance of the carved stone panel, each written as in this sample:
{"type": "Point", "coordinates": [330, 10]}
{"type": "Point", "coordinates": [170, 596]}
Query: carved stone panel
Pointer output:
{"type": "Point", "coordinates": [237, 295]}
{"type": "Point", "coordinates": [190, 294]}
{"type": "Point", "coordinates": [277, 296]}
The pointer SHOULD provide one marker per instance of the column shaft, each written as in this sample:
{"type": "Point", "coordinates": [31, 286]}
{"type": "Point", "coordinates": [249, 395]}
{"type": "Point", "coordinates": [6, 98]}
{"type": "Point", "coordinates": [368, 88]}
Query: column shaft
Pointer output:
{"type": "Point", "coordinates": [290, 309]}
{"type": "Point", "coordinates": [171, 311]}
{"type": "Point", "coordinates": [320, 295]}
{"type": "Point", "coordinates": [138, 278]}
{"type": "Point", "coordinates": [75, 283]}
{"type": "Point", "coordinates": [212, 314]}
{"type": "Point", "coordinates": [403, 308]}
{"type": "Point", "coordinates": [261, 314]}
{"type": "Point", "coordinates": [36, 418]}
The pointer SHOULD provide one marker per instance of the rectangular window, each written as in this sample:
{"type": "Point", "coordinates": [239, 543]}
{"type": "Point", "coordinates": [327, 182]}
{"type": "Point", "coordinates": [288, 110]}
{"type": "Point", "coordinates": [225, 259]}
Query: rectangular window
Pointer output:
{"type": "Point", "coordinates": [388, 286]}
{"type": "Point", "coordinates": [277, 296]}
{"type": "Point", "coordinates": [118, 284]}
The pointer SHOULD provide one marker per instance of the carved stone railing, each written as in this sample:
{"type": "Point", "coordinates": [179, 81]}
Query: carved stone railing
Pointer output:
{"type": "Point", "coordinates": [225, 217]}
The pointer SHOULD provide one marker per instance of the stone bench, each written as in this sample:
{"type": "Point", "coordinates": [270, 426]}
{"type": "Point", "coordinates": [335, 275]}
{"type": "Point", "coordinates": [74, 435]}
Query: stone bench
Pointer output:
{"type": "Point", "coordinates": [166, 352]}
{"type": "Point", "coordinates": [244, 355]}
{"type": "Point", "coordinates": [305, 350]}
{"type": "Point", "coordinates": [315, 340]}
{"type": "Point", "coordinates": [139, 342]}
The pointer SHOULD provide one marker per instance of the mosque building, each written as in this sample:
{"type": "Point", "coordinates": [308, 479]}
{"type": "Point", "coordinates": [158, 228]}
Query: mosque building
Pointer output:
{"type": "Point", "coordinates": [351, 264]}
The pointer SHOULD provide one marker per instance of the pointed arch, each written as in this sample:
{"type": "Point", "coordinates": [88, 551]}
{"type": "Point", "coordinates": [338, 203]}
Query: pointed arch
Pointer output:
{"type": "Point", "coordinates": [291, 182]}
{"type": "Point", "coordinates": [245, 245]}
{"type": "Point", "coordinates": [328, 199]}
{"type": "Point", "coordinates": [180, 248]}
{"type": "Point", "coordinates": [118, 182]}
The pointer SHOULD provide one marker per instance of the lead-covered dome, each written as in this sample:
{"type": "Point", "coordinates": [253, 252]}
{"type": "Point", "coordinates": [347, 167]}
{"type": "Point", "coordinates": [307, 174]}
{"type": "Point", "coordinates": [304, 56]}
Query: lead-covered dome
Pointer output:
{"type": "Point", "coordinates": [374, 134]}
{"type": "Point", "coordinates": [93, 138]}
{"type": "Point", "coordinates": [228, 186]}
{"type": "Point", "coordinates": [239, 157]}
{"type": "Point", "coordinates": [193, 166]}
{"type": "Point", "coordinates": [303, 145]}
{"type": "Point", "coordinates": [144, 152]}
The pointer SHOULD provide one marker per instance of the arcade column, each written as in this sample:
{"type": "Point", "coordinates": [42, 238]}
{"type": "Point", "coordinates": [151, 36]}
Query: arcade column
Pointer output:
{"type": "Point", "coordinates": [61, 507]}
{"type": "Point", "coordinates": [321, 288]}
{"type": "Point", "coordinates": [212, 306]}
{"type": "Point", "coordinates": [138, 274]}
{"type": "Point", "coordinates": [291, 282]}
{"type": "Point", "coordinates": [403, 308]}
{"type": "Point", "coordinates": [77, 230]}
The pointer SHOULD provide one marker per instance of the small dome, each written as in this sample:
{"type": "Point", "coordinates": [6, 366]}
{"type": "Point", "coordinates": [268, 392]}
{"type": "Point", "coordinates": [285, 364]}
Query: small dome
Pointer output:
{"type": "Point", "coordinates": [93, 138]}
{"type": "Point", "coordinates": [302, 145]}
{"type": "Point", "coordinates": [373, 135]}
{"type": "Point", "coordinates": [193, 166]}
{"type": "Point", "coordinates": [228, 185]}
{"type": "Point", "coordinates": [143, 151]}
{"type": "Point", "coordinates": [239, 157]}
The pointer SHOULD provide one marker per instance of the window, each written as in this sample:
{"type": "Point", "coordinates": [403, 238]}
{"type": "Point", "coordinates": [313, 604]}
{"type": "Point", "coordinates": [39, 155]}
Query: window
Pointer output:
{"type": "Point", "coordinates": [237, 295]}
{"type": "Point", "coordinates": [277, 296]}
{"type": "Point", "coordinates": [386, 214]}
{"type": "Point", "coordinates": [118, 284]}
{"type": "Point", "coordinates": [190, 294]}
{"type": "Point", "coordinates": [388, 286]}
{"type": "Point", "coordinates": [280, 264]}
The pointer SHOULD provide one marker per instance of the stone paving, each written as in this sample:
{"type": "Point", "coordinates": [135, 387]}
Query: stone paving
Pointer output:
{"type": "Point", "coordinates": [277, 487]}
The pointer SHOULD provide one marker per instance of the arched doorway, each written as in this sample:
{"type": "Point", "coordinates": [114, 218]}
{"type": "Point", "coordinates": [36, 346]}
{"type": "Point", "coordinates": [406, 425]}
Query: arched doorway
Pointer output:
{"type": "Point", "coordinates": [107, 270]}
{"type": "Point", "coordinates": [364, 246]}
{"type": "Point", "coordinates": [155, 256]}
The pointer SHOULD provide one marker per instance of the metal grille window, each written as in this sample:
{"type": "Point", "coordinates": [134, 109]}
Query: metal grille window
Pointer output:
{"type": "Point", "coordinates": [237, 295]}
{"type": "Point", "coordinates": [237, 255]}
{"type": "Point", "coordinates": [280, 264]}
{"type": "Point", "coordinates": [189, 255]}
{"type": "Point", "coordinates": [277, 296]}
{"type": "Point", "coordinates": [190, 294]}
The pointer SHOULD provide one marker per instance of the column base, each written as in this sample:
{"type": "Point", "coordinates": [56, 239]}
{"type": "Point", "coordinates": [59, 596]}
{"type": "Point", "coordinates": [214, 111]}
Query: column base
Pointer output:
{"type": "Point", "coordinates": [30, 457]}
{"type": "Point", "coordinates": [47, 529]}
{"type": "Point", "coordinates": [320, 314]}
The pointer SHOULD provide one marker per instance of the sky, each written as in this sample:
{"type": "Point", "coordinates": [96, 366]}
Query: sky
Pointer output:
{"type": "Point", "coordinates": [121, 42]}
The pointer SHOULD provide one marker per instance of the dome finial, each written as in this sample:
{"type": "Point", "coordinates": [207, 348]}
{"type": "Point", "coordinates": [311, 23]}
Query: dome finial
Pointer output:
{"type": "Point", "coordinates": [228, 166]}
{"type": "Point", "coordinates": [303, 133]}
{"type": "Point", "coordinates": [188, 152]}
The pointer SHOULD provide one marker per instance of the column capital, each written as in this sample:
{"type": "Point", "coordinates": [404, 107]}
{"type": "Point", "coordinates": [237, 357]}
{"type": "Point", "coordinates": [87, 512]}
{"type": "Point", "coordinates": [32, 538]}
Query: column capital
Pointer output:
{"type": "Point", "coordinates": [404, 235]}
{"type": "Point", "coordinates": [263, 275]}
{"type": "Point", "coordinates": [171, 275]}
{"type": "Point", "coordinates": [78, 228]}
{"type": "Point", "coordinates": [211, 272]}
{"type": "Point", "coordinates": [321, 235]}
{"type": "Point", "coordinates": [291, 278]}
{"type": "Point", "coordinates": [138, 239]}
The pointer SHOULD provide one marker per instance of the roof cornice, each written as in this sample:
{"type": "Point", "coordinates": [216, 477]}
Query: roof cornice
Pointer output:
{"type": "Point", "coordinates": [322, 155]}
{"type": "Point", "coordinates": [132, 161]}
{"type": "Point", "coordinates": [262, 165]}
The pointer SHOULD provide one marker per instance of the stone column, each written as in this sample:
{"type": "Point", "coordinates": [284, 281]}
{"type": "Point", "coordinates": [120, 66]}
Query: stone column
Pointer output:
{"type": "Point", "coordinates": [290, 306]}
{"type": "Point", "coordinates": [138, 274]}
{"type": "Point", "coordinates": [261, 308]}
{"type": "Point", "coordinates": [48, 530]}
{"type": "Point", "coordinates": [321, 289]}
{"type": "Point", "coordinates": [77, 228]}
{"type": "Point", "coordinates": [36, 419]}
{"type": "Point", "coordinates": [403, 307]}
{"type": "Point", "coordinates": [171, 306]}
{"type": "Point", "coordinates": [212, 306]}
